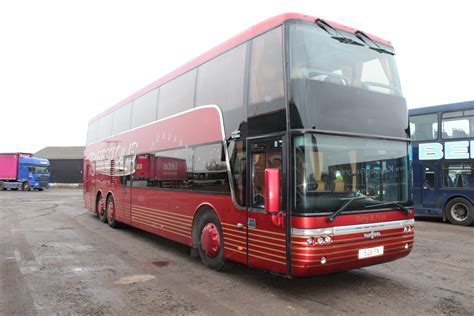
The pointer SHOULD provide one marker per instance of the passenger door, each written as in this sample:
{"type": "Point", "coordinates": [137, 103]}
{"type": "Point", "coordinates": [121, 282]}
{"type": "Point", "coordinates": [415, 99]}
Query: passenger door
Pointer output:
{"type": "Point", "coordinates": [429, 185]}
{"type": "Point", "coordinates": [266, 238]}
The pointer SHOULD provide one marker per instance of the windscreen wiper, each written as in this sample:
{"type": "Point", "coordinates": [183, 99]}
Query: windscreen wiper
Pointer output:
{"type": "Point", "coordinates": [344, 206]}
{"type": "Point", "coordinates": [393, 203]}
{"type": "Point", "coordinates": [365, 38]}
{"type": "Point", "coordinates": [335, 34]}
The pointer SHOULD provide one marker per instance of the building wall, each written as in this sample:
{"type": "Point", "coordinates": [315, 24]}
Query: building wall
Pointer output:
{"type": "Point", "coordinates": [66, 170]}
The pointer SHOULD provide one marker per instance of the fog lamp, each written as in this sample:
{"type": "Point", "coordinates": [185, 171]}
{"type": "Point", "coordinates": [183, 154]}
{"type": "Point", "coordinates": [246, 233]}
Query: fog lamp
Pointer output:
{"type": "Point", "coordinates": [406, 246]}
{"type": "Point", "coordinates": [323, 260]}
{"type": "Point", "coordinates": [310, 241]}
{"type": "Point", "coordinates": [327, 239]}
{"type": "Point", "coordinates": [320, 240]}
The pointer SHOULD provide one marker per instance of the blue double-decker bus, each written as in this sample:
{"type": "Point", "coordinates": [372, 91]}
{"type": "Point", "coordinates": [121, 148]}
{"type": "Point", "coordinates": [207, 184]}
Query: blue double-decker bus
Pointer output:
{"type": "Point", "coordinates": [443, 161]}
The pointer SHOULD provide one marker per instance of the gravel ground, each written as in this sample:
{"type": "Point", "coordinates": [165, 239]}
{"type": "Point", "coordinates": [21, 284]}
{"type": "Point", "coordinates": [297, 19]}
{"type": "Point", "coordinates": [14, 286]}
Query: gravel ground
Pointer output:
{"type": "Point", "coordinates": [56, 258]}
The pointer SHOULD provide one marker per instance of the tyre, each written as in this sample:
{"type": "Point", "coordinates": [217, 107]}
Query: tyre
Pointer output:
{"type": "Point", "coordinates": [459, 211]}
{"type": "Point", "coordinates": [111, 213]}
{"type": "Point", "coordinates": [25, 186]}
{"type": "Point", "coordinates": [1, 186]}
{"type": "Point", "coordinates": [101, 209]}
{"type": "Point", "coordinates": [210, 243]}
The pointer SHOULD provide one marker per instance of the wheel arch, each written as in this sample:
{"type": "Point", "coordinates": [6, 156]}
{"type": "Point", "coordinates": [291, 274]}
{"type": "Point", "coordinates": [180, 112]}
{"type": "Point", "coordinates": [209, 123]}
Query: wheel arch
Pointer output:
{"type": "Point", "coordinates": [110, 194]}
{"type": "Point", "coordinates": [200, 210]}
{"type": "Point", "coordinates": [449, 199]}
{"type": "Point", "coordinates": [97, 195]}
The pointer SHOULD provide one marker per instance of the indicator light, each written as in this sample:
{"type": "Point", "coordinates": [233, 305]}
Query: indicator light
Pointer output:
{"type": "Point", "coordinates": [327, 239]}
{"type": "Point", "coordinates": [320, 240]}
{"type": "Point", "coordinates": [406, 246]}
{"type": "Point", "coordinates": [310, 241]}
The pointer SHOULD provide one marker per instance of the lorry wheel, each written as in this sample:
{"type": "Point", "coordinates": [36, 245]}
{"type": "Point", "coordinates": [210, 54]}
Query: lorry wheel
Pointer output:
{"type": "Point", "coordinates": [1, 186]}
{"type": "Point", "coordinates": [210, 241]}
{"type": "Point", "coordinates": [459, 211]}
{"type": "Point", "coordinates": [25, 186]}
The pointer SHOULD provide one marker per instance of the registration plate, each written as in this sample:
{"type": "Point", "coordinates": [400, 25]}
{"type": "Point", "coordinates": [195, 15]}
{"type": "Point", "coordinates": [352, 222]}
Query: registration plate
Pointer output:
{"type": "Point", "coordinates": [370, 252]}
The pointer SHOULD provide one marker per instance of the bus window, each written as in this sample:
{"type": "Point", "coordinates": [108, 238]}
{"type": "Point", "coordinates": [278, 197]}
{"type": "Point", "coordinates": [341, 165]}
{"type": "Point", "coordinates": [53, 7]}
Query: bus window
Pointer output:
{"type": "Point", "coordinates": [126, 170]}
{"type": "Point", "coordinates": [177, 95]}
{"type": "Point", "coordinates": [429, 177]}
{"type": "Point", "coordinates": [458, 175]}
{"type": "Point", "coordinates": [144, 109]}
{"type": "Point", "coordinates": [221, 81]}
{"type": "Point", "coordinates": [261, 161]}
{"type": "Point", "coordinates": [424, 127]}
{"type": "Point", "coordinates": [266, 106]}
{"type": "Point", "coordinates": [122, 119]}
{"type": "Point", "coordinates": [457, 125]}
{"type": "Point", "coordinates": [237, 163]}
{"type": "Point", "coordinates": [105, 126]}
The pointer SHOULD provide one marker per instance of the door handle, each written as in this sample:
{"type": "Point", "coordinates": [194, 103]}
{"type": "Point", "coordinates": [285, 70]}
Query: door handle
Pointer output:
{"type": "Point", "coordinates": [425, 188]}
{"type": "Point", "coordinates": [240, 225]}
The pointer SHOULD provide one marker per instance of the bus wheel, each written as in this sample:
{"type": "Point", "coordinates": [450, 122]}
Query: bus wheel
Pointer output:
{"type": "Point", "coordinates": [211, 241]}
{"type": "Point", "coordinates": [459, 211]}
{"type": "Point", "coordinates": [111, 213]}
{"type": "Point", "coordinates": [25, 186]}
{"type": "Point", "coordinates": [101, 209]}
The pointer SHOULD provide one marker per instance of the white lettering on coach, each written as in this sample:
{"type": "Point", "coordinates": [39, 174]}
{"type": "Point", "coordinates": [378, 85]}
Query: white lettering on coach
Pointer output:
{"type": "Point", "coordinates": [452, 150]}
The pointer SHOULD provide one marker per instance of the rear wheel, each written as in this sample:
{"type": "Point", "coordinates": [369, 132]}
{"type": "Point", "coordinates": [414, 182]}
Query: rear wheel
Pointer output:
{"type": "Point", "coordinates": [101, 209]}
{"type": "Point", "coordinates": [210, 241]}
{"type": "Point", "coordinates": [25, 186]}
{"type": "Point", "coordinates": [111, 213]}
{"type": "Point", "coordinates": [459, 211]}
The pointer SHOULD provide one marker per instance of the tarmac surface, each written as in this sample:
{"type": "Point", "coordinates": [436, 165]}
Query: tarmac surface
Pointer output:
{"type": "Point", "coordinates": [57, 258]}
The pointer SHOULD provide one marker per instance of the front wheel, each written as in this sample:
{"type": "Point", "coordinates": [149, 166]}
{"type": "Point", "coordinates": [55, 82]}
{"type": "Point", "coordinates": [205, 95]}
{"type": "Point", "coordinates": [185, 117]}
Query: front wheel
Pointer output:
{"type": "Point", "coordinates": [459, 211]}
{"type": "Point", "coordinates": [211, 241]}
{"type": "Point", "coordinates": [25, 186]}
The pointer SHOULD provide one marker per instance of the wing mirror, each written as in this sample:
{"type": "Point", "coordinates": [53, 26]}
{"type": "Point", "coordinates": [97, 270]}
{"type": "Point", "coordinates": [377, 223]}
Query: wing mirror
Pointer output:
{"type": "Point", "coordinates": [272, 195]}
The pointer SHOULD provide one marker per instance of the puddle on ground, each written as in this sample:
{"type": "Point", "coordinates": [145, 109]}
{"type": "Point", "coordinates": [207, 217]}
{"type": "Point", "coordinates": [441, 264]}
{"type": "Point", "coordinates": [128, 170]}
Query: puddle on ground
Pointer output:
{"type": "Point", "coordinates": [160, 264]}
{"type": "Point", "coordinates": [139, 278]}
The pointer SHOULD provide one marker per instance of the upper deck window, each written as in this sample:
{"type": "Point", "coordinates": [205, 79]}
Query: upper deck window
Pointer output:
{"type": "Point", "coordinates": [105, 126]}
{"type": "Point", "coordinates": [424, 127]}
{"type": "Point", "coordinates": [177, 95]}
{"type": "Point", "coordinates": [458, 124]}
{"type": "Point", "coordinates": [144, 109]}
{"type": "Point", "coordinates": [340, 83]}
{"type": "Point", "coordinates": [317, 56]}
{"type": "Point", "coordinates": [122, 119]}
{"type": "Point", "coordinates": [93, 132]}
{"type": "Point", "coordinates": [221, 82]}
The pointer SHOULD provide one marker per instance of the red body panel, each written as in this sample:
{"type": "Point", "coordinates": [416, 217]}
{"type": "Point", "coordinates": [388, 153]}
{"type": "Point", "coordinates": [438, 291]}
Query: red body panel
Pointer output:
{"type": "Point", "coordinates": [342, 252]}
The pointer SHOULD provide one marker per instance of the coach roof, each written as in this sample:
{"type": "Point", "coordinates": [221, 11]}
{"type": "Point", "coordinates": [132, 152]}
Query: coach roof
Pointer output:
{"type": "Point", "coordinates": [232, 42]}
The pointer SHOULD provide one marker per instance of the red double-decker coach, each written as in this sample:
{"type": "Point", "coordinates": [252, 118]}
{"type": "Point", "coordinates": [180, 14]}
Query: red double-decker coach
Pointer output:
{"type": "Point", "coordinates": [284, 148]}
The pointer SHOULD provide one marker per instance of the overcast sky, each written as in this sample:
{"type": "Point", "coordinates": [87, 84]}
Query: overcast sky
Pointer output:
{"type": "Point", "coordinates": [63, 62]}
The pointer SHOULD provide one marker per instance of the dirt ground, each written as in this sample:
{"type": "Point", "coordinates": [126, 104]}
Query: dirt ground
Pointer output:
{"type": "Point", "coordinates": [56, 258]}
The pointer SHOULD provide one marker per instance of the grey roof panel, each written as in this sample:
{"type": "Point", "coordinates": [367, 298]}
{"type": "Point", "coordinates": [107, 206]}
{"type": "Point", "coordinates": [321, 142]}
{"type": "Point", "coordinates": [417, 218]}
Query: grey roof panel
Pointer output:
{"type": "Point", "coordinates": [69, 152]}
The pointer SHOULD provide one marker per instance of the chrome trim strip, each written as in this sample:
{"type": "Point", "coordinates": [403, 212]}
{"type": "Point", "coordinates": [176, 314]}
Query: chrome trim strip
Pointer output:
{"type": "Point", "coordinates": [352, 229]}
